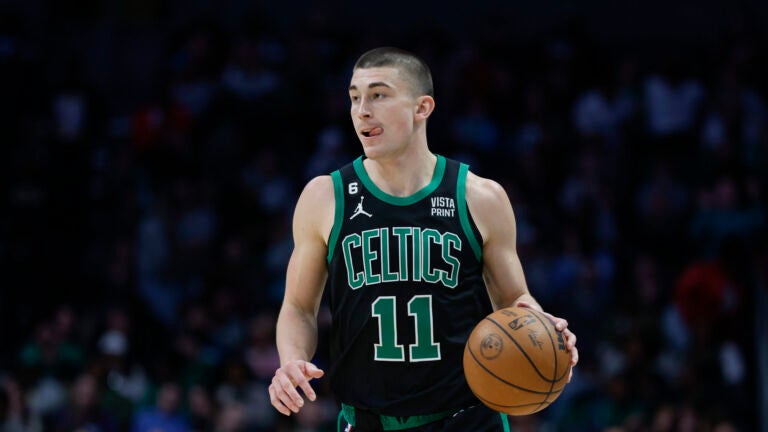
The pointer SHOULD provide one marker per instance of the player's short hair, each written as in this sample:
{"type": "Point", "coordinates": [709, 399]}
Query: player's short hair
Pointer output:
{"type": "Point", "coordinates": [414, 67]}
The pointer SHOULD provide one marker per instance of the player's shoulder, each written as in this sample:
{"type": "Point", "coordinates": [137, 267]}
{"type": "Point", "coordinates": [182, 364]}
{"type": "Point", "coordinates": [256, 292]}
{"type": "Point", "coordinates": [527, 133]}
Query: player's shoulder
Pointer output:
{"type": "Point", "coordinates": [317, 194]}
{"type": "Point", "coordinates": [489, 205]}
{"type": "Point", "coordinates": [315, 207]}
{"type": "Point", "coordinates": [484, 191]}
{"type": "Point", "coordinates": [321, 184]}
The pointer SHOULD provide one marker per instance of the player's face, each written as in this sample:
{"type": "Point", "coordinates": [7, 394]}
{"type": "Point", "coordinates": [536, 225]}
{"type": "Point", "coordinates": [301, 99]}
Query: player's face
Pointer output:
{"type": "Point", "coordinates": [383, 110]}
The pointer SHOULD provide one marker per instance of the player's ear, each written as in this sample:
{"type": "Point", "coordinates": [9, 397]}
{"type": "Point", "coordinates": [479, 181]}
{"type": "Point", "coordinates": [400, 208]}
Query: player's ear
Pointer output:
{"type": "Point", "coordinates": [424, 107]}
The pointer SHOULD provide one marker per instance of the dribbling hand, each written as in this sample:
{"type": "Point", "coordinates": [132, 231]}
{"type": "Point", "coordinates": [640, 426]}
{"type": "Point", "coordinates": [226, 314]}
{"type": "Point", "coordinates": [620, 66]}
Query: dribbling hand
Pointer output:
{"type": "Point", "coordinates": [283, 391]}
{"type": "Point", "coordinates": [562, 326]}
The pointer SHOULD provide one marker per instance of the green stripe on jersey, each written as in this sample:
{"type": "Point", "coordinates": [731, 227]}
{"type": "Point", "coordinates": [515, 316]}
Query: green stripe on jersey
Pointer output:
{"type": "Point", "coordinates": [461, 197]}
{"type": "Point", "coordinates": [505, 422]}
{"type": "Point", "coordinates": [338, 195]}
{"type": "Point", "coordinates": [437, 177]}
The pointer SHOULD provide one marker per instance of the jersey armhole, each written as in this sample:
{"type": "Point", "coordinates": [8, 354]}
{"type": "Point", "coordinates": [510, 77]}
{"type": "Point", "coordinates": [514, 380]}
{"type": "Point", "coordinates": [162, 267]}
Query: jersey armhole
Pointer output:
{"type": "Point", "coordinates": [461, 198]}
{"type": "Point", "coordinates": [338, 195]}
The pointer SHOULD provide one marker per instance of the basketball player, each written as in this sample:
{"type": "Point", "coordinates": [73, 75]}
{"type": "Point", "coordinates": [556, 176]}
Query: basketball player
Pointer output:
{"type": "Point", "coordinates": [414, 251]}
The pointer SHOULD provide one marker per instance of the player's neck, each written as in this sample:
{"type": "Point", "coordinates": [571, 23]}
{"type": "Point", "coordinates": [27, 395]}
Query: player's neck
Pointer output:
{"type": "Point", "coordinates": [403, 174]}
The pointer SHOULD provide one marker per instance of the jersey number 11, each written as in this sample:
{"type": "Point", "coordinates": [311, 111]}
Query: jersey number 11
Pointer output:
{"type": "Point", "coordinates": [420, 308]}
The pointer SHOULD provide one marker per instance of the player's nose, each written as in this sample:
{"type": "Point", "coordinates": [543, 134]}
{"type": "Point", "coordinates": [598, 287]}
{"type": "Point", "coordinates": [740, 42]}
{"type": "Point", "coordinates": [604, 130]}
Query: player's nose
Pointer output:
{"type": "Point", "coordinates": [363, 110]}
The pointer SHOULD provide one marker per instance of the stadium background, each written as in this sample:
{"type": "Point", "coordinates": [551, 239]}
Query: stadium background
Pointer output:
{"type": "Point", "coordinates": [151, 153]}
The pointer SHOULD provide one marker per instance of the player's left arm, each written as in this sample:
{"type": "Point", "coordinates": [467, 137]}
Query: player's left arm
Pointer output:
{"type": "Point", "coordinates": [492, 212]}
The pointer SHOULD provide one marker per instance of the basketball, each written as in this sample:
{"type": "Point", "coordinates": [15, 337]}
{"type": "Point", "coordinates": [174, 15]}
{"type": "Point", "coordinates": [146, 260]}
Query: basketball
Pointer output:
{"type": "Point", "coordinates": [516, 362]}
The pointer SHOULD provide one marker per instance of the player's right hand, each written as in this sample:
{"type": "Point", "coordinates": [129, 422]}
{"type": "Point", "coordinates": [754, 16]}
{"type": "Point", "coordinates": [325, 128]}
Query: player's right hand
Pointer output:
{"type": "Point", "coordinates": [283, 393]}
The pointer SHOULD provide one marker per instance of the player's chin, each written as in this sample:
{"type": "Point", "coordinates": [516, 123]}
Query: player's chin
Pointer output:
{"type": "Point", "coordinates": [372, 149]}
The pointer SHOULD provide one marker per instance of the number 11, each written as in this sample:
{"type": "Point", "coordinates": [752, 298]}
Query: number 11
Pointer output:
{"type": "Point", "coordinates": [420, 308]}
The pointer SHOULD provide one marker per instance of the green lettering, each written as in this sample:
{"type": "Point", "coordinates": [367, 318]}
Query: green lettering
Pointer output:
{"type": "Point", "coordinates": [429, 236]}
{"type": "Point", "coordinates": [355, 280]}
{"type": "Point", "coordinates": [451, 241]}
{"type": "Point", "coordinates": [386, 274]}
{"type": "Point", "coordinates": [402, 234]}
{"type": "Point", "coordinates": [369, 255]}
{"type": "Point", "coordinates": [416, 254]}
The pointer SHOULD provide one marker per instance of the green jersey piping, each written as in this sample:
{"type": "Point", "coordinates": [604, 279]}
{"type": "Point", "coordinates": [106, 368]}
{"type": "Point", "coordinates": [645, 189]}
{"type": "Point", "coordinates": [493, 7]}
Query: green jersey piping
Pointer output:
{"type": "Point", "coordinates": [437, 178]}
{"type": "Point", "coordinates": [505, 422]}
{"type": "Point", "coordinates": [461, 196]}
{"type": "Point", "coordinates": [338, 195]}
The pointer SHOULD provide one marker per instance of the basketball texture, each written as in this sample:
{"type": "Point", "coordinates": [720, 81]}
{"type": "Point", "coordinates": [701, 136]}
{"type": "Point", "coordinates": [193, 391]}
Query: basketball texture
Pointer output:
{"type": "Point", "coordinates": [516, 362]}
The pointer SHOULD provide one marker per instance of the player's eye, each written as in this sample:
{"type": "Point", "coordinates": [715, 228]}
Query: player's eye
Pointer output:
{"type": "Point", "coordinates": [354, 98]}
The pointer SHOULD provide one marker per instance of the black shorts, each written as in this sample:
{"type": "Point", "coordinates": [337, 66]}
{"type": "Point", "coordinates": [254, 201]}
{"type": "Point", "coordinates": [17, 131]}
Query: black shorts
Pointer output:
{"type": "Point", "coordinates": [478, 418]}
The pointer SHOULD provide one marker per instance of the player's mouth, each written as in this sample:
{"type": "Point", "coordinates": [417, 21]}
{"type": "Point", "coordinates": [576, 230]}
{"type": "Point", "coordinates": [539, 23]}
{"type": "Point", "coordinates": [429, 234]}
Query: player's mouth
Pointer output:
{"type": "Point", "coordinates": [371, 132]}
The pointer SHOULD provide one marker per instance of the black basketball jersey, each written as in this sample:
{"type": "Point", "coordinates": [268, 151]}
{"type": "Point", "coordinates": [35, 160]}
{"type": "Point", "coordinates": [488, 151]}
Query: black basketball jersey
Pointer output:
{"type": "Point", "coordinates": [405, 288]}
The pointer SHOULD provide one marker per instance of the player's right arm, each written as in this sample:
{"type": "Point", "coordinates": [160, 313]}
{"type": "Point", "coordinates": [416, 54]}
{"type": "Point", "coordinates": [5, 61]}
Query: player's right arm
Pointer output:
{"type": "Point", "coordinates": [305, 279]}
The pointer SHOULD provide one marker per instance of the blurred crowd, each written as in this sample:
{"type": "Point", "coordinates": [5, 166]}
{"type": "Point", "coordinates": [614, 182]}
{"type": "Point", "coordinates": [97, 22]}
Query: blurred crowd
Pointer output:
{"type": "Point", "coordinates": [152, 152]}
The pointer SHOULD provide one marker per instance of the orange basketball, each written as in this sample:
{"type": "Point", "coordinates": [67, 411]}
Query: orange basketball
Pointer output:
{"type": "Point", "coordinates": [516, 362]}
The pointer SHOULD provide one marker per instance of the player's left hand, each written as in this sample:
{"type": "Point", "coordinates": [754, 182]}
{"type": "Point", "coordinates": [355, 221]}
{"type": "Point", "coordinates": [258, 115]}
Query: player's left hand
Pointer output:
{"type": "Point", "coordinates": [562, 326]}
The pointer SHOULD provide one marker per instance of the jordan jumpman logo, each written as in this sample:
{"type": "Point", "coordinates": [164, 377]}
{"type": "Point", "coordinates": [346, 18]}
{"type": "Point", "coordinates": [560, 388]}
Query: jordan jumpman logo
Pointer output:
{"type": "Point", "coordinates": [359, 209]}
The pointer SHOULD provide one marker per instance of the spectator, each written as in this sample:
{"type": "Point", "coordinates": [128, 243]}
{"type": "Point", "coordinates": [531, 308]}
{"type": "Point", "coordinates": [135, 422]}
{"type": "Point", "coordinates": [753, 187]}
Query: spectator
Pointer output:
{"type": "Point", "coordinates": [15, 415]}
{"type": "Point", "coordinates": [84, 412]}
{"type": "Point", "coordinates": [164, 415]}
